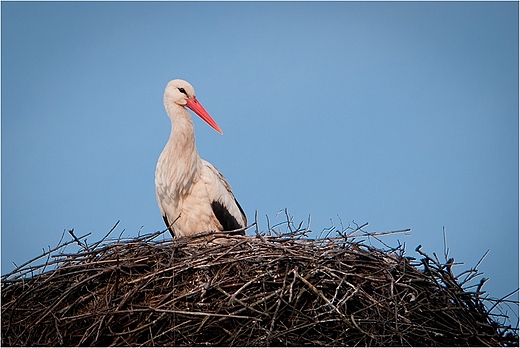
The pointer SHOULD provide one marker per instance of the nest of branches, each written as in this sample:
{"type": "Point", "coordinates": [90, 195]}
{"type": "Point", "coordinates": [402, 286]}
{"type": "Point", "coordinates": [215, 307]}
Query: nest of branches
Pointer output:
{"type": "Point", "coordinates": [269, 289]}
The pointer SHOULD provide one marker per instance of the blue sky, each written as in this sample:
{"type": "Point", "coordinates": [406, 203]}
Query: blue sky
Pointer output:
{"type": "Point", "coordinates": [403, 115]}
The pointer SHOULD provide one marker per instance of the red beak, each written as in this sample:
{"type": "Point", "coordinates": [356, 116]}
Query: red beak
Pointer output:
{"type": "Point", "coordinates": [197, 108]}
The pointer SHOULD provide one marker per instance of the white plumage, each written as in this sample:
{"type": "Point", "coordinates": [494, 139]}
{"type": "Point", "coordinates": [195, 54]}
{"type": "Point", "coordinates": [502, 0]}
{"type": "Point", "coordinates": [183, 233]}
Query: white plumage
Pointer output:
{"type": "Point", "coordinates": [192, 194]}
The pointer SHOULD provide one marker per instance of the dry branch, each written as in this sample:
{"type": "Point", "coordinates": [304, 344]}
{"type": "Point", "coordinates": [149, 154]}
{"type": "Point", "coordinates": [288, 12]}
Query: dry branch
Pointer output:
{"type": "Point", "coordinates": [271, 289]}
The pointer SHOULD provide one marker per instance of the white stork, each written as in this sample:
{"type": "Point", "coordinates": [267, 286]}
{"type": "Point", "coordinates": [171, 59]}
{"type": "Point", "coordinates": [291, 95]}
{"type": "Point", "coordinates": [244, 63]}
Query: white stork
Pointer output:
{"type": "Point", "coordinates": [193, 195]}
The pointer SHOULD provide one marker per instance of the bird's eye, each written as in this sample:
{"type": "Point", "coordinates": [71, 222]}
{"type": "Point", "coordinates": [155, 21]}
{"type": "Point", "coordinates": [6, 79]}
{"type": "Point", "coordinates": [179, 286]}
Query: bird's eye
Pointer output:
{"type": "Point", "coordinates": [182, 90]}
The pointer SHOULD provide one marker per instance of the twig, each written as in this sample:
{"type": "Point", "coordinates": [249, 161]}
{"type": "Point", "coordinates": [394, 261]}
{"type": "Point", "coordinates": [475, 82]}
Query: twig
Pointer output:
{"type": "Point", "coordinates": [84, 246]}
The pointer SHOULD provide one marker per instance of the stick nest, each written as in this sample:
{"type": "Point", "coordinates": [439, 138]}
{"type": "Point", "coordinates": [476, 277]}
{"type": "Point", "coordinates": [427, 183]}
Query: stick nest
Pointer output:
{"type": "Point", "coordinates": [271, 289]}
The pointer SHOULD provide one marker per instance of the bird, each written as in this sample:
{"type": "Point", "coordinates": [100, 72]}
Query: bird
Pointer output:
{"type": "Point", "coordinates": [193, 196]}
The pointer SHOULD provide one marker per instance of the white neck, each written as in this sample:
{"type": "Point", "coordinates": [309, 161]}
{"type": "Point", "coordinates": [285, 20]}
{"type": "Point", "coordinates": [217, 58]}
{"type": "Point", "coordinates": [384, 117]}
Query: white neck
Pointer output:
{"type": "Point", "coordinates": [182, 134]}
{"type": "Point", "coordinates": [180, 151]}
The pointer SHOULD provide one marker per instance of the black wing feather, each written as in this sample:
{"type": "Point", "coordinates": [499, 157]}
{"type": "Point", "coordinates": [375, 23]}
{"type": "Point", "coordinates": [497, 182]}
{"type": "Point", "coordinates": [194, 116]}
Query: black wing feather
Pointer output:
{"type": "Point", "coordinates": [168, 225]}
{"type": "Point", "coordinates": [228, 221]}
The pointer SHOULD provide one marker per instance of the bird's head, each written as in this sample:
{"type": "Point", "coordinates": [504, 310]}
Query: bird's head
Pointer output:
{"type": "Point", "coordinates": [181, 93]}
